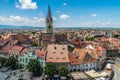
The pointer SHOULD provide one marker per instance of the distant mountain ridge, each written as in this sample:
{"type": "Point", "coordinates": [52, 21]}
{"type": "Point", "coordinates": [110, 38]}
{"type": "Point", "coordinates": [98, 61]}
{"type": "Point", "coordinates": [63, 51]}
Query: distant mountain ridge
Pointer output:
{"type": "Point", "coordinates": [16, 27]}
{"type": "Point", "coordinates": [59, 28]}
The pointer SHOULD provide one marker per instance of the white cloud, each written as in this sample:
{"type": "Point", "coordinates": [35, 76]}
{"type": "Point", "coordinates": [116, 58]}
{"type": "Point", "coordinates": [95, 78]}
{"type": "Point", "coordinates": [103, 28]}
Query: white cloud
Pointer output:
{"type": "Point", "coordinates": [54, 18]}
{"type": "Point", "coordinates": [22, 21]}
{"type": "Point", "coordinates": [35, 21]}
{"type": "Point", "coordinates": [26, 4]}
{"type": "Point", "coordinates": [94, 15]}
{"type": "Point", "coordinates": [64, 17]}
{"type": "Point", "coordinates": [64, 4]}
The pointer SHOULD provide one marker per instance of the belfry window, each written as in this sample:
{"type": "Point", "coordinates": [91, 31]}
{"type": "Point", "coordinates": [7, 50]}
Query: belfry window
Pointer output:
{"type": "Point", "coordinates": [49, 26]}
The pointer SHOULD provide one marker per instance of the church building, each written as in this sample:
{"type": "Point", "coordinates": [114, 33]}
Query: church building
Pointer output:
{"type": "Point", "coordinates": [48, 36]}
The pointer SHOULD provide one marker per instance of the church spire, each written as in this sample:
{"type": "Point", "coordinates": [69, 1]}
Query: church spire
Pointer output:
{"type": "Point", "coordinates": [49, 12]}
{"type": "Point", "coordinates": [49, 22]}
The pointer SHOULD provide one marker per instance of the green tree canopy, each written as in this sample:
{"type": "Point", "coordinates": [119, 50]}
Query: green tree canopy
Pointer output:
{"type": "Point", "coordinates": [63, 71]}
{"type": "Point", "coordinates": [116, 36]}
{"type": "Point", "coordinates": [70, 48]}
{"type": "Point", "coordinates": [34, 44]}
{"type": "Point", "coordinates": [34, 67]}
{"type": "Point", "coordinates": [89, 38]}
{"type": "Point", "coordinates": [34, 33]}
{"type": "Point", "coordinates": [50, 69]}
{"type": "Point", "coordinates": [2, 61]}
{"type": "Point", "coordinates": [11, 62]}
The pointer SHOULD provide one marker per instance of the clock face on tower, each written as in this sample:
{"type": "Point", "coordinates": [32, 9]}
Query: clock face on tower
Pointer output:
{"type": "Point", "coordinates": [47, 21]}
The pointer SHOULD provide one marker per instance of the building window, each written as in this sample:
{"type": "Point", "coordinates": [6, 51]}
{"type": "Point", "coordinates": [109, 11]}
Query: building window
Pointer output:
{"type": "Point", "coordinates": [83, 65]}
{"type": "Point", "coordinates": [23, 60]}
{"type": "Point", "coordinates": [86, 65]}
{"type": "Point", "coordinates": [91, 64]}
{"type": "Point", "coordinates": [20, 60]}
{"type": "Point", "coordinates": [41, 62]}
{"type": "Point", "coordinates": [26, 60]}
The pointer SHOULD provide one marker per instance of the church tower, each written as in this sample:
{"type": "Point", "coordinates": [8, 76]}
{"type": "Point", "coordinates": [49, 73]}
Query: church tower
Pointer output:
{"type": "Point", "coordinates": [49, 22]}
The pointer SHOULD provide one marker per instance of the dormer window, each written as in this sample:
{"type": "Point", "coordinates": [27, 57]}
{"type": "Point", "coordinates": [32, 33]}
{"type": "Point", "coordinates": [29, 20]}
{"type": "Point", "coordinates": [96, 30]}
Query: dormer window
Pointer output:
{"type": "Point", "coordinates": [64, 58]}
{"type": "Point", "coordinates": [57, 58]}
{"type": "Point", "coordinates": [61, 52]}
{"type": "Point", "coordinates": [50, 58]}
{"type": "Point", "coordinates": [55, 47]}
{"type": "Point", "coordinates": [54, 52]}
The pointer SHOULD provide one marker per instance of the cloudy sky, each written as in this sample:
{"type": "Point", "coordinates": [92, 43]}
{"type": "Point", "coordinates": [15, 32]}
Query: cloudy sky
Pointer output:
{"type": "Point", "coordinates": [66, 13]}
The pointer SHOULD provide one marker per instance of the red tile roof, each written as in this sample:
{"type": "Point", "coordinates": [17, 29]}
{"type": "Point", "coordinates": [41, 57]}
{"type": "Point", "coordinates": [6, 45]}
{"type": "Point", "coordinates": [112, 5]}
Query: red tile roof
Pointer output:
{"type": "Point", "coordinates": [57, 53]}
{"type": "Point", "coordinates": [20, 37]}
{"type": "Point", "coordinates": [40, 53]}
{"type": "Point", "coordinates": [75, 41]}
{"type": "Point", "coordinates": [84, 56]}
{"type": "Point", "coordinates": [16, 48]}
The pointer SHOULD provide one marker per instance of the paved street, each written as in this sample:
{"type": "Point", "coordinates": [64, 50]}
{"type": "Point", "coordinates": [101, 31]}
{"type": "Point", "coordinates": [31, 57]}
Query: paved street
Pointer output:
{"type": "Point", "coordinates": [15, 75]}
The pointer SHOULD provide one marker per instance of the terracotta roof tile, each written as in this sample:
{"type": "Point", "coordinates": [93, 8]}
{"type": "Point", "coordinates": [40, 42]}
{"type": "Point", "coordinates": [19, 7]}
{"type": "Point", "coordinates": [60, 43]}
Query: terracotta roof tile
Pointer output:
{"type": "Point", "coordinates": [16, 48]}
{"type": "Point", "coordinates": [84, 56]}
{"type": "Point", "coordinates": [57, 53]}
{"type": "Point", "coordinates": [40, 53]}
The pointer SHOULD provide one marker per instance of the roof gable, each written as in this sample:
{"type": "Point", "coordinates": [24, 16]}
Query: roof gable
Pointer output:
{"type": "Point", "coordinates": [87, 57]}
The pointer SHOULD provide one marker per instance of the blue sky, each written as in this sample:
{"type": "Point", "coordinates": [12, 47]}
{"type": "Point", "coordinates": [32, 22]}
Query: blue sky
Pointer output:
{"type": "Point", "coordinates": [66, 13]}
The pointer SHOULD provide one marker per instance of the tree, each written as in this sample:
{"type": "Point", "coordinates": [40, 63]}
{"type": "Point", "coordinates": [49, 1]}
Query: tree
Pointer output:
{"type": "Point", "coordinates": [89, 38]}
{"type": "Point", "coordinates": [63, 71]}
{"type": "Point", "coordinates": [70, 48]}
{"type": "Point", "coordinates": [34, 44]}
{"type": "Point", "coordinates": [50, 69]}
{"type": "Point", "coordinates": [116, 36]}
{"type": "Point", "coordinates": [34, 67]}
{"type": "Point", "coordinates": [86, 39]}
{"type": "Point", "coordinates": [11, 62]}
{"type": "Point", "coordinates": [2, 61]}
{"type": "Point", "coordinates": [20, 66]}
{"type": "Point", "coordinates": [33, 33]}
